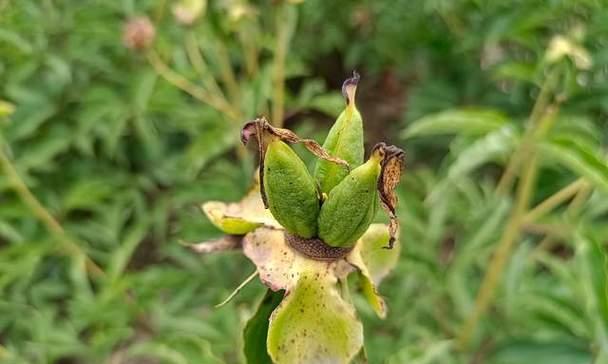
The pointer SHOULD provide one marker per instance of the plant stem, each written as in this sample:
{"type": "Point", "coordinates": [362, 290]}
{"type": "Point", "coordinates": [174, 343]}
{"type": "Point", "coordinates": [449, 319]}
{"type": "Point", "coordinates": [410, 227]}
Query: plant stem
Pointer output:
{"type": "Point", "coordinates": [539, 108]}
{"type": "Point", "coordinates": [554, 230]}
{"type": "Point", "coordinates": [284, 19]}
{"type": "Point", "coordinates": [248, 39]}
{"type": "Point", "coordinates": [200, 66]}
{"type": "Point", "coordinates": [226, 71]}
{"type": "Point", "coordinates": [540, 121]}
{"type": "Point", "coordinates": [503, 251]}
{"type": "Point", "coordinates": [238, 289]}
{"type": "Point", "coordinates": [38, 210]}
{"type": "Point", "coordinates": [160, 11]}
{"type": "Point", "coordinates": [579, 200]}
{"type": "Point", "coordinates": [555, 200]}
{"type": "Point", "coordinates": [195, 91]}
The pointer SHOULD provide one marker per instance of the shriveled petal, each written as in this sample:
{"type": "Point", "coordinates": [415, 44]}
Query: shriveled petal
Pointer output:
{"type": "Point", "coordinates": [314, 325]}
{"type": "Point", "coordinates": [239, 218]}
{"type": "Point", "coordinates": [374, 263]}
{"type": "Point", "coordinates": [279, 266]}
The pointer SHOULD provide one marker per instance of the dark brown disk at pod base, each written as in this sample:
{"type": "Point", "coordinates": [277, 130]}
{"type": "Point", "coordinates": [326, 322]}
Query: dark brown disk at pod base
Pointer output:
{"type": "Point", "coordinates": [316, 248]}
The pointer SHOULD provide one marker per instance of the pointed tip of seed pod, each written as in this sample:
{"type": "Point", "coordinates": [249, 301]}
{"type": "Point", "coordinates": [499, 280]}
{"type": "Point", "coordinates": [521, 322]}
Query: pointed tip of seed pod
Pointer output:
{"type": "Point", "coordinates": [251, 128]}
{"type": "Point", "coordinates": [248, 130]}
{"type": "Point", "coordinates": [349, 88]}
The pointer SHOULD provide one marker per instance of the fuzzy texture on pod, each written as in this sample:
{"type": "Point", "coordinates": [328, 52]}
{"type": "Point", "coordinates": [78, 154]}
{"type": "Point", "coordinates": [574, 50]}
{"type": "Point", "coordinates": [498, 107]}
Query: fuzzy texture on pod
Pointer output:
{"type": "Point", "coordinates": [351, 206]}
{"type": "Point", "coordinates": [344, 141]}
{"type": "Point", "coordinates": [291, 191]}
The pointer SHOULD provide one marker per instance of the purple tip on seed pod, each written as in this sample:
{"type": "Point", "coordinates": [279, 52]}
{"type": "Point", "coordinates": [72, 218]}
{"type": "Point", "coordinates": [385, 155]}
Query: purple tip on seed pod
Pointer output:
{"type": "Point", "coordinates": [349, 87]}
{"type": "Point", "coordinates": [249, 130]}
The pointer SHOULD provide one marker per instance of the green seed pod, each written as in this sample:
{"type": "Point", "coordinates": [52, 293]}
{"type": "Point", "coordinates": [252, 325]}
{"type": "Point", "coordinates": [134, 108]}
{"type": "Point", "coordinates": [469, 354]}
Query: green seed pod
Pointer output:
{"type": "Point", "coordinates": [344, 141]}
{"type": "Point", "coordinates": [351, 206]}
{"type": "Point", "coordinates": [290, 190]}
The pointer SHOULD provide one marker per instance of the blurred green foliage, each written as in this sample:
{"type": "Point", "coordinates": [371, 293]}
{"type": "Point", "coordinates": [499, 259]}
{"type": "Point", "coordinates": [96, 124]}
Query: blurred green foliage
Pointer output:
{"type": "Point", "coordinates": [121, 159]}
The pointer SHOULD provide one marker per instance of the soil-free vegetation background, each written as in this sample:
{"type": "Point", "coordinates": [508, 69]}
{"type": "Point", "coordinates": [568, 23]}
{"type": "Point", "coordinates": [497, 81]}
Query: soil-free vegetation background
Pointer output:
{"type": "Point", "coordinates": [108, 152]}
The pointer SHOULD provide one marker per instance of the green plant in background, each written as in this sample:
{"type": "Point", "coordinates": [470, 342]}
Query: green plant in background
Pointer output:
{"type": "Point", "coordinates": [109, 152]}
{"type": "Point", "coordinates": [102, 164]}
{"type": "Point", "coordinates": [304, 318]}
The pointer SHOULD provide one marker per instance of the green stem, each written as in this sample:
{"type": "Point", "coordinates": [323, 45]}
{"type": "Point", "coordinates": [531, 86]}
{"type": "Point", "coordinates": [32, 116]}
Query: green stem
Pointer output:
{"type": "Point", "coordinates": [539, 108]}
{"type": "Point", "coordinates": [195, 91]}
{"type": "Point", "coordinates": [226, 71]}
{"type": "Point", "coordinates": [555, 200]}
{"type": "Point", "coordinates": [248, 39]}
{"type": "Point", "coordinates": [491, 279]}
{"type": "Point", "coordinates": [540, 121]}
{"type": "Point", "coordinates": [160, 11]}
{"type": "Point", "coordinates": [579, 200]}
{"type": "Point", "coordinates": [285, 22]}
{"type": "Point", "coordinates": [70, 246]}
{"type": "Point", "coordinates": [200, 66]}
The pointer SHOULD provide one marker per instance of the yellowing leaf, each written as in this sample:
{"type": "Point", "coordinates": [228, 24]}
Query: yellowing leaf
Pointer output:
{"type": "Point", "coordinates": [314, 324]}
{"type": "Point", "coordinates": [378, 260]}
{"type": "Point", "coordinates": [239, 218]}
{"type": "Point", "coordinates": [216, 212]}
{"type": "Point", "coordinates": [374, 263]}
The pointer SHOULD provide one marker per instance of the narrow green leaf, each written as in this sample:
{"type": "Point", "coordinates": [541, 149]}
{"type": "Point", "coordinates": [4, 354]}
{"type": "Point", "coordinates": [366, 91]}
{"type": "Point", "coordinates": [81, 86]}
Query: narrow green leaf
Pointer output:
{"type": "Point", "coordinates": [467, 121]}
{"type": "Point", "coordinates": [256, 330]}
{"type": "Point", "coordinates": [494, 145]}
{"type": "Point", "coordinates": [528, 351]}
{"type": "Point", "coordinates": [580, 158]}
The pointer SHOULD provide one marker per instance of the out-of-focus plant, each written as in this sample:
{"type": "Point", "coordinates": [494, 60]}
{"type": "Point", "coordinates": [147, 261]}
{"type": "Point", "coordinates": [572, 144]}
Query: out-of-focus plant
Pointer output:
{"type": "Point", "coordinates": [120, 159]}
{"type": "Point", "coordinates": [549, 140]}
{"type": "Point", "coordinates": [103, 162]}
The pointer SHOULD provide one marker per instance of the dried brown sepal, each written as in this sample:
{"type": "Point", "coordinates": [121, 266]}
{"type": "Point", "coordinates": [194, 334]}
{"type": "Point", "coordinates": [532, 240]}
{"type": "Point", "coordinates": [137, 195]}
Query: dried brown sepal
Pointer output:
{"type": "Point", "coordinates": [264, 133]}
{"type": "Point", "coordinates": [391, 166]}
{"type": "Point", "coordinates": [228, 242]}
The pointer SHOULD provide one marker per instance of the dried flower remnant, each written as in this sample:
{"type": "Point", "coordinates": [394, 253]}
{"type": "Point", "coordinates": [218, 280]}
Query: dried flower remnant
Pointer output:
{"type": "Point", "coordinates": [138, 33]}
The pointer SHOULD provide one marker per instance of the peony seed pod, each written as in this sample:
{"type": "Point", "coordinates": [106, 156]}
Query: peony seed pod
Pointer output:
{"type": "Point", "coordinates": [291, 191]}
{"type": "Point", "coordinates": [344, 141]}
{"type": "Point", "coordinates": [287, 188]}
{"type": "Point", "coordinates": [351, 206]}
